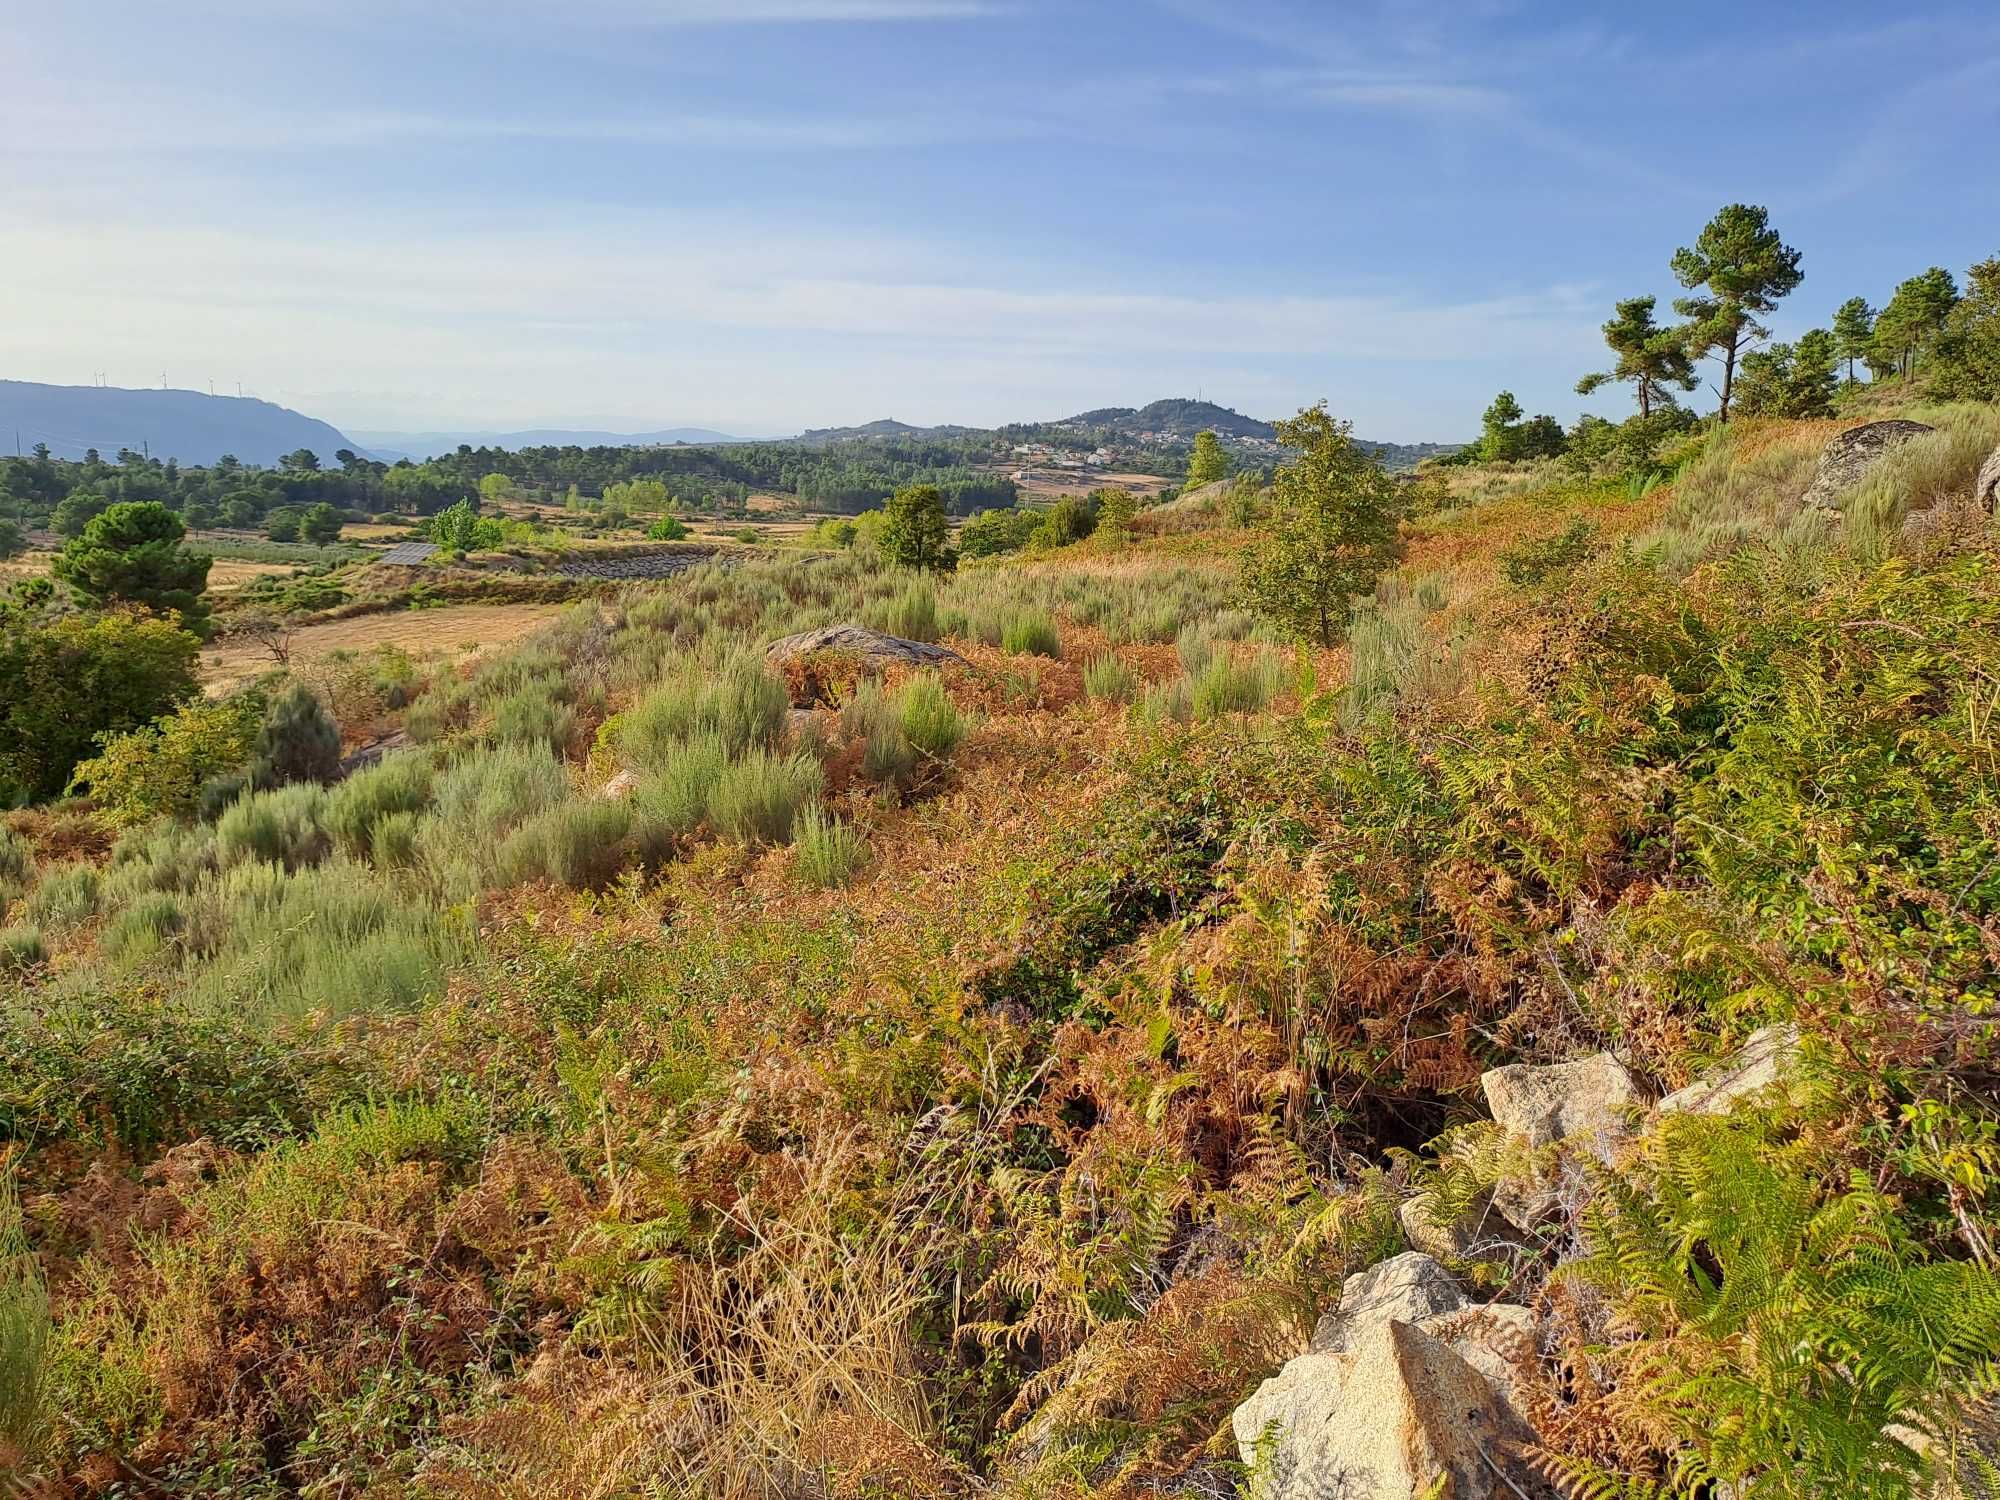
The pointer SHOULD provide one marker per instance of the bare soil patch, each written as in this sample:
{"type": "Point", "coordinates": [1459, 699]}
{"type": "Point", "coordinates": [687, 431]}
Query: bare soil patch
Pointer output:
{"type": "Point", "coordinates": [457, 632]}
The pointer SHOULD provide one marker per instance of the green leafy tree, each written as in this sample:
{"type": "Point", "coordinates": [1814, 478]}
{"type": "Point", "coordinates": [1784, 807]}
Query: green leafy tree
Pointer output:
{"type": "Point", "coordinates": [1209, 461]}
{"type": "Point", "coordinates": [1914, 317]}
{"type": "Point", "coordinates": [1853, 329]}
{"type": "Point", "coordinates": [1116, 510]}
{"type": "Point", "coordinates": [667, 529]}
{"type": "Point", "coordinates": [1965, 365]}
{"type": "Point", "coordinates": [319, 524]}
{"type": "Point", "coordinates": [1652, 359]}
{"type": "Point", "coordinates": [76, 511]}
{"type": "Point", "coordinates": [1501, 433]}
{"type": "Point", "coordinates": [1745, 269]}
{"type": "Point", "coordinates": [1541, 436]}
{"type": "Point", "coordinates": [914, 534]}
{"type": "Point", "coordinates": [1332, 530]}
{"type": "Point", "coordinates": [65, 682]}
{"type": "Point", "coordinates": [1788, 380]}
{"type": "Point", "coordinates": [282, 524]}
{"type": "Point", "coordinates": [160, 768]}
{"type": "Point", "coordinates": [460, 528]}
{"type": "Point", "coordinates": [13, 540]}
{"type": "Point", "coordinates": [300, 461]}
{"type": "Point", "coordinates": [132, 554]}
{"type": "Point", "coordinates": [992, 532]}
{"type": "Point", "coordinates": [1068, 520]}
{"type": "Point", "coordinates": [496, 487]}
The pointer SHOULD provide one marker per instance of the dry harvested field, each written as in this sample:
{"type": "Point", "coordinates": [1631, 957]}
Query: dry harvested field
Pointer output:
{"type": "Point", "coordinates": [456, 631]}
{"type": "Point", "coordinates": [1046, 484]}
{"type": "Point", "coordinates": [369, 532]}
{"type": "Point", "coordinates": [223, 575]}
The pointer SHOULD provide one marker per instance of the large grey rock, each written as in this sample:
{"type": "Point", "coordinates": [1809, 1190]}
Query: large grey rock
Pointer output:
{"type": "Point", "coordinates": [1581, 1106]}
{"type": "Point", "coordinates": [1411, 1287]}
{"type": "Point", "coordinates": [1395, 1416]}
{"type": "Point", "coordinates": [870, 645]}
{"type": "Point", "coordinates": [1845, 459]}
{"type": "Point", "coordinates": [1480, 1233]}
{"type": "Point", "coordinates": [1762, 1061]}
{"type": "Point", "coordinates": [1986, 488]}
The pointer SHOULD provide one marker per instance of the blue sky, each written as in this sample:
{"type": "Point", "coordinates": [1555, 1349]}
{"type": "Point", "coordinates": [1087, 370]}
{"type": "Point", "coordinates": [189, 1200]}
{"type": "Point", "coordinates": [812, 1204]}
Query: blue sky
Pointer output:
{"type": "Point", "coordinates": [766, 214]}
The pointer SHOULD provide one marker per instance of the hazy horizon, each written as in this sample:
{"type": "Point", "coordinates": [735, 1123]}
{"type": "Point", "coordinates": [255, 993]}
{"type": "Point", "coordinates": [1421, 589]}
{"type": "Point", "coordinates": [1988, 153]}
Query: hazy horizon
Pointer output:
{"type": "Point", "coordinates": [769, 215]}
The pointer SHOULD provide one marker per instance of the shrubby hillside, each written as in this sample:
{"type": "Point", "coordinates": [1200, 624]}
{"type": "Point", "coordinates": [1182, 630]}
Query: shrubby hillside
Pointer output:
{"type": "Point", "coordinates": [1475, 984]}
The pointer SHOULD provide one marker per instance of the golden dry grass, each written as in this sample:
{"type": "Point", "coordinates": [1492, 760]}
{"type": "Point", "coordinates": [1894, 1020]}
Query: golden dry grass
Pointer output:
{"type": "Point", "coordinates": [457, 632]}
{"type": "Point", "coordinates": [223, 575]}
{"type": "Point", "coordinates": [370, 532]}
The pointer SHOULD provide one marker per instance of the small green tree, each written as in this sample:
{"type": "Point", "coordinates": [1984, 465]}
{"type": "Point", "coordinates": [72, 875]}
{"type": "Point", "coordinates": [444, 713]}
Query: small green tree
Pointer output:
{"type": "Point", "coordinates": [282, 524]}
{"type": "Point", "coordinates": [496, 487]}
{"type": "Point", "coordinates": [64, 683]}
{"type": "Point", "coordinates": [1116, 510]}
{"type": "Point", "coordinates": [1209, 461]}
{"type": "Point", "coordinates": [1965, 365]}
{"type": "Point", "coordinates": [13, 540]}
{"type": "Point", "coordinates": [1788, 380]}
{"type": "Point", "coordinates": [132, 554]}
{"type": "Point", "coordinates": [667, 529]}
{"type": "Point", "coordinates": [1654, 360]}
{"type": "Point", "coordinates": [1853, 328]}
{"type": "Point", "coordinates": [1914, 317]}
{"type": "Point", "coordinates": [1500, 428]}
{"type": "Point", "coordinates": [914, 534]}
{"type": "Point", "coordinates": [76, 511]}
{"type": "Point", "coordinates": [1746, 269]}
{"type": "Point", "coordinates": [160, 768]}
{"type": "Point", "coordinates": [319, 524]}
{"type": "Point", "coordinates": [299, 741]}
{"type": "Point", "coordinates": [1331, 532]}
{"type": "Point", "coordinates": [460, 528]}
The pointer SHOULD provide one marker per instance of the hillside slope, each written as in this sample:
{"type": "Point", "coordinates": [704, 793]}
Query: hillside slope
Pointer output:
{"type": "Point", "coordinates": [190, 426]}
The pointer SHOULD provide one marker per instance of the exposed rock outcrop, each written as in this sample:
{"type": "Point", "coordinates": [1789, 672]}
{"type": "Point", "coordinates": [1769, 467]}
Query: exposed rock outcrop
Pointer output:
{"type": "Point", "coordinates": [1763, 1060]}
{"type": "Point", "coordinates": [1582, 1106]}
{"type": "Point", "coordinates": [1844, 460]}
{"type": "Point", "coordinates": [1409, 1287]}
{"type": "Point", "coordinates": [1986, 488]}
{"type": "Point", "coordinates": [1480, 1233]}
{"type": "Point", "coordinates": [1387, 1421]}
{"type": "Point", "coordinates": [858, 640]}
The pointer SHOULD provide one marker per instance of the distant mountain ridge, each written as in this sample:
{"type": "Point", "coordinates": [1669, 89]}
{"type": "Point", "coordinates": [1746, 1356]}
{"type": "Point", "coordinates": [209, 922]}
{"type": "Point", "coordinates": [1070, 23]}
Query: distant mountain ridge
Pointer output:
{"type": "Point", "coordinates": [422, 445]}
{"type": "Point", "coordinates": [189, 426]}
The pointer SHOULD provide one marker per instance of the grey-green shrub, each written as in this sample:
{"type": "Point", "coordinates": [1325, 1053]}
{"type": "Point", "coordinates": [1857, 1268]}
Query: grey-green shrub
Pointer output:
{"type": "Point", "coordinates": [1227, 685]}
{"type": "Point", "coordinates": [335, 939]}
{"type": "Point", "coordinates": [829, 851]}
{"type": "Point", "coordinates": [491, 791]}
{"type": "Point", "coordinates": [1031, 632]}
{"type": "Point", "coordinates": [356, 808]}
{"type": "Point", "coordinates": [1166, 702]}
{"type": "Point", "coordinates": [911, 614]}
{"type": "Point", "coordinates": [534, 715]}
{"type": "Point", "coordinates": [931, 724]}
{"type": "Point", "coordinates": [17, 860]}
{"type": "Point", "coordinates": [1109, 680]}
{"type": "Point", "coordinates": [143, 928]}
{"type": "Point", "coordinates": [761, 795]}
{"type": "Point", "coordinates": [283, 827]}
{"type": "Point", "coordinates": [577, 844]}
{"type": "Point", "coordinates": [742, 704]}
{"type": "Point", "coordinates": [21, 948]}
{"type": "Point", "coordinates": [66, 896]}
{"type": "Point", "coordinates": [678, 795]}
{"type": "Point", "coordinates": [1195, 645]}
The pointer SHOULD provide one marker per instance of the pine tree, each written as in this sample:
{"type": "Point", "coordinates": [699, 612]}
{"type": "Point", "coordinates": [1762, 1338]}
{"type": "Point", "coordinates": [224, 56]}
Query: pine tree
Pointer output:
{"type": "Point", "coordinates": [1500, 428]}
{"type": "Point", "coordinates": [915, 528]}
{"type": "Point", "coordinates": [1654, 359]}
{"type": "Point", "coordinates": [1331, 533]}
{"type": "Point", "coordinates": [1853, 327]}
{"type": "Point", "coordinates": [1746, 268]}
{"type": "Point", "coordinates": [132, 554]}
{"type": "Point", "coordinates": [1208, 462]}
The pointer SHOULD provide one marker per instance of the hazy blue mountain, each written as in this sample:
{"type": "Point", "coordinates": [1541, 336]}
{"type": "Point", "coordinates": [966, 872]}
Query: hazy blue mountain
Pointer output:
{"type": "Point", "coordinates": [421, 445]}
{"type": "Point", "coordinates": [187, 425]}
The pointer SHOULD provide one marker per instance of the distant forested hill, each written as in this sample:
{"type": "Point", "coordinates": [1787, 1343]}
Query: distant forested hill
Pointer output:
{"type": "Point", "coordinates": [185, 425]}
